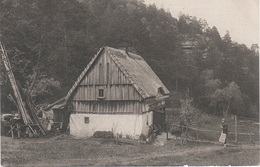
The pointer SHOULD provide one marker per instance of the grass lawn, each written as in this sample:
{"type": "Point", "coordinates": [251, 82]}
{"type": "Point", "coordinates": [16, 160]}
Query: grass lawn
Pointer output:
{"type": "Point", "coordinates": [212, 123]}
{"type": "Point", "coordinates": [65, 150]}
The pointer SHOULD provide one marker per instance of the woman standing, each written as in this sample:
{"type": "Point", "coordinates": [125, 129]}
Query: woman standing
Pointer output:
{"type": "Point", "coordinates": [224, 133]}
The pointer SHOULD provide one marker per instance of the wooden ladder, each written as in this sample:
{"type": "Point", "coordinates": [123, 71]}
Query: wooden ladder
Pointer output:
{"type": "Point", "coordinates": [29, 116]}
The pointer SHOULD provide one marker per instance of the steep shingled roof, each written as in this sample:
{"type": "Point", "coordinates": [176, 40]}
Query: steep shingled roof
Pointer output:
{"type": "Point", "coordinates": [134, 68]}
{"type": "Point", "coordinates": [139, 72]}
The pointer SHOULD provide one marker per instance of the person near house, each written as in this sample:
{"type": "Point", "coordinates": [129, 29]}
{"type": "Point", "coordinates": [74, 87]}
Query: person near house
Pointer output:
{"type": "Point", "coordinates": [224, 132]}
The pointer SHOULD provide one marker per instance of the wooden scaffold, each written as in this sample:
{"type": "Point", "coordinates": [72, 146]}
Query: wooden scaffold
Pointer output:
{"type": "Point", "coordinates": [26, 111]}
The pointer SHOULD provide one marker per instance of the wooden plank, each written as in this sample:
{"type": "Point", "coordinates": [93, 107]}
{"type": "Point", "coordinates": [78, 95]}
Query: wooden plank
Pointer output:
{"type": "Point", "coordinates": [236, 129]}
{"type": "Point", "coordinates": [89, 77]}
{"type": "Point", "coordinates": [108, 92]}
{"type": "Point", "coordinates": [34, 116]}
{"type": "Point", "coordinates": [85, 94]}
{"type": "Point", "coordinates": [107, 73]}
{"type": "Point", "coordinates": [91, 93]}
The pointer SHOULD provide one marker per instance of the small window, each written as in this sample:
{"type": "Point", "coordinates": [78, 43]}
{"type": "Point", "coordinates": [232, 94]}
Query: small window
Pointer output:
{"type": "Point", "coordinates": [101, 93]}
{"type": "Point", "coordinates": [161, 91]}
{"type": "Point", "coordinates": [86, 119]}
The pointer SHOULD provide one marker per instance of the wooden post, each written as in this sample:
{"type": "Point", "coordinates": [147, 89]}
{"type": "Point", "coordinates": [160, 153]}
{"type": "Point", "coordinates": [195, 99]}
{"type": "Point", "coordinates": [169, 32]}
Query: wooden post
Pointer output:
{"type": "Point", "coordinates": [12, 131]}
{"type": "Point", "coordinates": [167, 135]}
{"type": "Point", "coordinates": [116, 138]}
{"type": "Point", "coordinates": [18, 131]}
{"type": "Point", "coordinates": [236, 139]}
{"type": "Point", "coordinates": [197, 136]}
{"type": "Point", "coordinates": [250, 138]}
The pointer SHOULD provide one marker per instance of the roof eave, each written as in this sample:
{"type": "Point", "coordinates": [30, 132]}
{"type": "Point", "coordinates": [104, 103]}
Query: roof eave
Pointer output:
{"type": "Point", "coordinates": [157, 98]}
{"type": "Point", "coordinates": [53, 104]}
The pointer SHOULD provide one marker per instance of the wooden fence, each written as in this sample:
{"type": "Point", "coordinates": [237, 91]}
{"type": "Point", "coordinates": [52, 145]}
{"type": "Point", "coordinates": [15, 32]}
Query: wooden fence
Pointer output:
{"type": "Point", "coordinates": [197, 130]}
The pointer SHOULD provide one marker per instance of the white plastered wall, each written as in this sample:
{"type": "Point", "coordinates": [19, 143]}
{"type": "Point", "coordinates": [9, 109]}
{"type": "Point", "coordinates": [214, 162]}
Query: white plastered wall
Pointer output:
{"type": "Point", "coordinates": [146, 122]}
{"type": "Point", "coordinates": [131, 125]}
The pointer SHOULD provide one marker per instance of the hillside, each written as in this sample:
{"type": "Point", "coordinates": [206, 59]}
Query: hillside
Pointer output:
{"type": "Point", "coordinates": [50, 42]}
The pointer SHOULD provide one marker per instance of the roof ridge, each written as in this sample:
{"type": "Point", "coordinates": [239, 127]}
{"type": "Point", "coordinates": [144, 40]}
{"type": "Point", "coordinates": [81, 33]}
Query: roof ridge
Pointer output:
{"type": "Point", "coordinates": [128, 75]}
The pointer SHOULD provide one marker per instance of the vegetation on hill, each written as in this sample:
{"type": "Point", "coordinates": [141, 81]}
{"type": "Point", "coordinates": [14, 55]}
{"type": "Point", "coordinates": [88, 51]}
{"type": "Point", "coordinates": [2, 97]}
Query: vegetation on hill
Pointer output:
{"type": "Point", "coordinates": [50, 42]}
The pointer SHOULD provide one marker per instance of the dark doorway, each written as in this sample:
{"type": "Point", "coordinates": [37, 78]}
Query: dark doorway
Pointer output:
{"type": "Point", "coordinates": [159, 119]}
{"type": "Point", "coordinates": [61, 116]}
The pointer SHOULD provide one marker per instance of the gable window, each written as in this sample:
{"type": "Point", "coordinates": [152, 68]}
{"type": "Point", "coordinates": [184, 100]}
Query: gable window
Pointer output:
{"type": "Point", "coordinates": [101, 93]}
{"type": "Point", "coordinates": [86, 120]}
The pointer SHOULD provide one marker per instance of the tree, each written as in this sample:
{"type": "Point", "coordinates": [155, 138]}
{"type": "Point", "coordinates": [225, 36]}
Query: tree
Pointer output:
{"type": "Point", "coordinates": [227, 39]}
{"type": "Point", "coordinates": [226, 98]}
{"type": "Point", "coordinates": [53, 41]}
{"type": "Point", "coordinates": [190, 25]}
{"type": "Point", "coordinates": [206, 86]}
{"type": "Point", "coordinates": [42, 39]}
{"type": "Point", "coordinates": [188, 113]}
{"type": "Point", "coordinates": [255, 48]}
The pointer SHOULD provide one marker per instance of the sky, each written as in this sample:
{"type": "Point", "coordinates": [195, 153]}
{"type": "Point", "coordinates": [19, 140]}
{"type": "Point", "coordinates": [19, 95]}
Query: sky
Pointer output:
{"type": "Point", "coordinates": [239, 17]}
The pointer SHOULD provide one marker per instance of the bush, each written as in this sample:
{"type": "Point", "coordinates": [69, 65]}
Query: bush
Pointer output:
{"type": "Point", "coordinates": [201, 119]}
{"type": "Point", "coordinates": [142, 137]}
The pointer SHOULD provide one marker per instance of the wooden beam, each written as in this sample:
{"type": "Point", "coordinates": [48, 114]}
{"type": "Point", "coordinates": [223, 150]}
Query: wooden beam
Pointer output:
{"type": "Point", "coordinates": [108, 113]}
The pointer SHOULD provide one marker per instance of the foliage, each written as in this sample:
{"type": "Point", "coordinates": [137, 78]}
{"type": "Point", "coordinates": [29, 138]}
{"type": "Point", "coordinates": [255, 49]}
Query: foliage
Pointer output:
{"type": "Point", "coordinates": [226, 98]}
{"type": "Point", "coordinates": [52, 41]}
{"type": "Point", "coordinates": [187, 111]}
{"type": "Point", "coordinates": [212, 85]}
{"type": "Point", "coordinates": [43, 87]}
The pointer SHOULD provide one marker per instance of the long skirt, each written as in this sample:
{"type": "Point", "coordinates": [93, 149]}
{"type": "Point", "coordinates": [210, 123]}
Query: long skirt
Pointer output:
{"type": "Point", "coordinates": [222, 138]}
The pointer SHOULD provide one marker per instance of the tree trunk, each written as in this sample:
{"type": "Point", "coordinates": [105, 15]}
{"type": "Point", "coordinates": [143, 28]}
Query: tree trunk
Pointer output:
{"type": "Point", "coordinates": [36, 72]}
{"type": "Point", "coordinates": [32, 85]}
{"type": "Point", "coordinates": [176, 84]}
{"type": "Point", "coordinates": [227, 108]}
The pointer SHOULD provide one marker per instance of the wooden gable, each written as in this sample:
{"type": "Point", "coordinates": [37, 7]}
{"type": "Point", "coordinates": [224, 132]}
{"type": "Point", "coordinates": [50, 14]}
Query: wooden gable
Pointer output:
{"type": "Point", "coordinates": [116, 82]}
{"type": "Point", "coordinates": [105, 74]}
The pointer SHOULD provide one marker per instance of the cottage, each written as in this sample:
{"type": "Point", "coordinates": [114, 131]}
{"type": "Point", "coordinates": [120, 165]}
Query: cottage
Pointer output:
{"type": "Point", "coordinates": [118, 92]}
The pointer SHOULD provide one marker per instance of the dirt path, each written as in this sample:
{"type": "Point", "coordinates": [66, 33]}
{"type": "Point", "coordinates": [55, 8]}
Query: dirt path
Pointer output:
{"type": "Point", "coordinates": [210, 155]}
{"type": "Point", "coordinates": [160, 155]}
{"type": "Point", "coordinates": [170, 155]}
{"type": "Point", "coordinates": [90, 152]}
